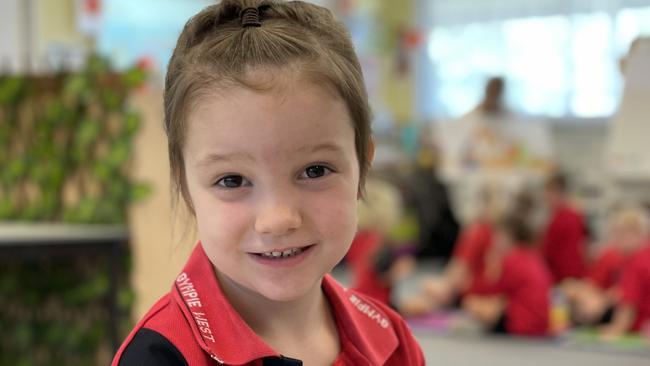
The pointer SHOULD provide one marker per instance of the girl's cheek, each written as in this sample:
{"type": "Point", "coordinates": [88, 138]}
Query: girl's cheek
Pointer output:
{"type": "Point", "coordinates": [233, 213]}
{"type": "Point", "coordinates": [222, 219]}
{"type": "Point", "coordinates": [337, 211]}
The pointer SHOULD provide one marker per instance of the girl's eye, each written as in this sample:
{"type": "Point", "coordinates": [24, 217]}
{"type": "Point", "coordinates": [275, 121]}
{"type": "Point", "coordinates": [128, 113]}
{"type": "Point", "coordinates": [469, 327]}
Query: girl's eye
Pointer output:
{"type": "Point", "coordinates": [316, 171]}
{"type": "Point", "coordinates": [231, 181]}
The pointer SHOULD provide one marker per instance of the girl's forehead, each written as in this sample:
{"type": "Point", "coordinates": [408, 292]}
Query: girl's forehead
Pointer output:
{"type": "Point", "coordinates": [279, 96]}
{"type": "Point", "coordinates": [277, 82]}
{"type": "Point", "coordinates": [278, 118]}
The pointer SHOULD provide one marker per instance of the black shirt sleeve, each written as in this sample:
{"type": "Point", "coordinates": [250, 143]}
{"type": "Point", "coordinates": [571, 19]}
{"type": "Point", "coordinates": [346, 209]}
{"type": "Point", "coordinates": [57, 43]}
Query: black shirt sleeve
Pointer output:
{"type": "Point", "coordinates": [150, 348]}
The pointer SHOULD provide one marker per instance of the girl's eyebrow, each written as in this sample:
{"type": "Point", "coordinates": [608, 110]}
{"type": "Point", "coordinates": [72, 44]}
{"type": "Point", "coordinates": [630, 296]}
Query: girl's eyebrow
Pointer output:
{"type": "Point", "coordinates": [212, 158]}
{"type": "Point", "coordinates": [327, 146]}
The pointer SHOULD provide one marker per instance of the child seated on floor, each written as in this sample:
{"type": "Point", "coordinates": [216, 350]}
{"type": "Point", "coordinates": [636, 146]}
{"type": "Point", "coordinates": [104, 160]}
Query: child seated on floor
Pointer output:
{"type": "Point", "coordinates": [593, 298]}
{"type": "Point", "coordinates": [464, 272]}
{"type": "Point", "coordinates": [517, 303]}
{"type": "Point", "coordinates": [632, 310]}
{"type": "Point", "coordinates": [373, 257]}
{"type": "Point", "coordinates": [563, 241]}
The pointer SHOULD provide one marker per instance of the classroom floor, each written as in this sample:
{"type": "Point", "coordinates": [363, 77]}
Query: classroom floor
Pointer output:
{"type": "Point", "coordinates": [475, 351]}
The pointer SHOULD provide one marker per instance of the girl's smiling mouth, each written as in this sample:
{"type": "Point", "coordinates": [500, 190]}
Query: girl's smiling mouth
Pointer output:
{"type": "Point", "coordinates": [283, 257]}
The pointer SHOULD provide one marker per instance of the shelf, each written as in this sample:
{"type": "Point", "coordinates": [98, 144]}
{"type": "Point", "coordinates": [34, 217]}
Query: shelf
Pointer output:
{"type": "Point", "coordinates": [27, 233]}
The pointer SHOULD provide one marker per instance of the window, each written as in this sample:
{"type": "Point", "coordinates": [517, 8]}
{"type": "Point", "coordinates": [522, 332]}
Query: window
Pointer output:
{"type": "Point", "coordinates": [133, 29]}
{"type": "Point", "coordinates": [554, 65]}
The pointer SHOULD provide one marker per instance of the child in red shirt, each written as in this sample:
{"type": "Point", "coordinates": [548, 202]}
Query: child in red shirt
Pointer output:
{"type": "Point", "coordinates": [564, 238]}
{"type": "Point", "coordinates": [517, 302]}
{"type": "Point", "coordinates": [464, 274]}
{"type": "Point", "coordinates": [593, 298]}
{"type": "Point", "coordinates": [268, 130]}
{"type": "Point", "coordinates": [373, 258]}
{"type": "Point", "coordinates": [632, 310]}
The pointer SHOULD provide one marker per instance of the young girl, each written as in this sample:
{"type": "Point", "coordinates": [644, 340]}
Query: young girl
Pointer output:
{"type": "Point", "coordinates": [269, 142]}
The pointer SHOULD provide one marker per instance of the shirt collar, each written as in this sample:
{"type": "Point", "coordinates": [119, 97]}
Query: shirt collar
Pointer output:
{"type": "Point", "coordinates": [366, 326]}
{"type": "Point", "coordinates": [216, 325]}
{"type": "Point", "coordinates": [222, 333]}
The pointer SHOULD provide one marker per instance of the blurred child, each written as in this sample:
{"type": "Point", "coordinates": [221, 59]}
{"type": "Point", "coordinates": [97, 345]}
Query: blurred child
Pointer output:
{"type": "Point", "coordinates": [464, 272]}
{"type": "Point", "coordinates": [592, 299]}
{"type": "Point", "coordinates": [375, 265]}
{"type": "Point", "coordinates": [518, 301]}
{"type": "Point", "coordinates": [564, 238]}
{"type": "Point", "coordinates": [632, 310]}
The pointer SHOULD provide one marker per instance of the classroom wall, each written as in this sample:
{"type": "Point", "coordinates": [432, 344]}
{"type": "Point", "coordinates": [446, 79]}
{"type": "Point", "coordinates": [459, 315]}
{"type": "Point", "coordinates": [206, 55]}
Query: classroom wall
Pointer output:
{"type": "Point", "coordinates": [158, 244]}
{"type": "Point", "coordinates": [13, 37]}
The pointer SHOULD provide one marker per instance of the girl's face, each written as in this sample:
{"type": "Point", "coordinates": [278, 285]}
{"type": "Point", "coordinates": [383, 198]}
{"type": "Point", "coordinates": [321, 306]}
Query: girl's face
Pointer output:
{"type": "Point", "coordinates": [273, 177]}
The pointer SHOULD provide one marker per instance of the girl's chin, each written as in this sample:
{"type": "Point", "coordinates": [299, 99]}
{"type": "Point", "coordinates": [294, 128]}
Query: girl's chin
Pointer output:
{"type": "Point", "coordinates": [287, 292]}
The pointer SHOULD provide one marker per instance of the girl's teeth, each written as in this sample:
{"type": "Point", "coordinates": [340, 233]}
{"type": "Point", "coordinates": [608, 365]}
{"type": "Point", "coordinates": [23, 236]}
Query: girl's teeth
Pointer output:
{"type": "Point", "coordinates": [283, 254]}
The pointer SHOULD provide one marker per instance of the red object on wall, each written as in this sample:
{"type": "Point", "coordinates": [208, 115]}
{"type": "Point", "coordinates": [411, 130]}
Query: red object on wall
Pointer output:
{"type": "Point", "coordinates": [92, 7]}
{"type": "Point", "coordinates": [411, 38]}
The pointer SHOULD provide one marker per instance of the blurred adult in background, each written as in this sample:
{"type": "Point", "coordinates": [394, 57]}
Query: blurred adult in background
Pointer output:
{"type": "Point", "coordinates": [491, 144]}
{"type": "Point", "coordinates": [627, 158]}
{"type": "Point", "coordinates": [487, 144]}
{"type": "Point", "coordinates": [499, 138]}
{"type": "Point", "coordinates": [637, 43]}
{"type": "Point", "coordinates": [492, 102]}
{"type": "Point", "coordinates": [563, 240]}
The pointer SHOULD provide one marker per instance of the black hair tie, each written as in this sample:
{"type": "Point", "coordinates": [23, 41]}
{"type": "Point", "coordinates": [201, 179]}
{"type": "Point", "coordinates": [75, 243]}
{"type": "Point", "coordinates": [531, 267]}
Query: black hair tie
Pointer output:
{"type": "Point", "coordinates": [250, 17]}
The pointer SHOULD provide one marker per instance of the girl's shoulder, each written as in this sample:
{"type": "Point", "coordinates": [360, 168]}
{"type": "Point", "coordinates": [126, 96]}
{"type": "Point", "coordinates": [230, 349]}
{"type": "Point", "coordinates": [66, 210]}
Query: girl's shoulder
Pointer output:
{"type": "Point", "coordinates": [161, 337]}
{"type": "Point", "coordinates": [148, 347]}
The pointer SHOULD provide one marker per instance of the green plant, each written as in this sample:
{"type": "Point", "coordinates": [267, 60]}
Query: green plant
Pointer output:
{"type": "Point", "coordinates": [65, 150]}
{"type": "Point", "coordinates": [66, 143]}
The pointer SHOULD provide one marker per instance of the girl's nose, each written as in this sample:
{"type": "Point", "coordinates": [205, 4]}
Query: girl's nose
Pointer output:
{"type": "Point", "coordinates": [277, 220]}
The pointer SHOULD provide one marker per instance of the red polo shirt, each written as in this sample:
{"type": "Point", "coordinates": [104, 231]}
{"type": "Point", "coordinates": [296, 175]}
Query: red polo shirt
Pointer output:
{"type": "Point", "coordinates": [526, 283]}
{"type": "Point", "coordinates": [563, 244]}
{"type": "Point", "coordinates": [471, 249]}
{"type": "Point", "coordinates": [606, 270]}
{"type": "Point", "coordinates": [364, 244]}
{"type": "Point", "coordinates": [196, 325]}
{"type": "Point", "coordinates": [361, 259]}
{"type": "Point", "coordinates": [634, 286]}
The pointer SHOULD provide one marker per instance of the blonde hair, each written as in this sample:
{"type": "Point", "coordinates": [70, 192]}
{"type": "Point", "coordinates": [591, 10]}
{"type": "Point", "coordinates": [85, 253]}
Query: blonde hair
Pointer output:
{"type": "Point", "coordinates": [215, 51]}
{"type": "Point", "coordinates": [381, 208]}
{"type": "Point", "coordinates": [632, 217]}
